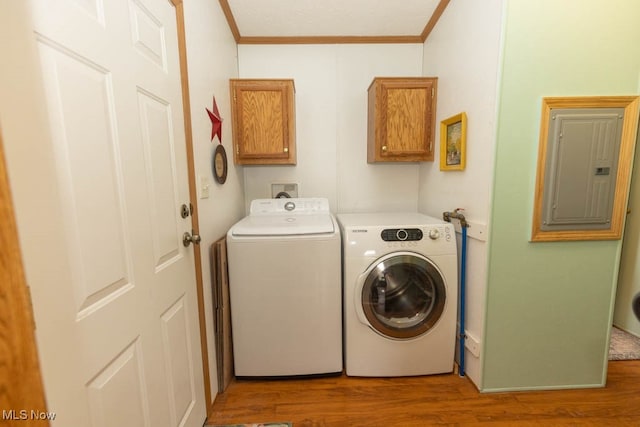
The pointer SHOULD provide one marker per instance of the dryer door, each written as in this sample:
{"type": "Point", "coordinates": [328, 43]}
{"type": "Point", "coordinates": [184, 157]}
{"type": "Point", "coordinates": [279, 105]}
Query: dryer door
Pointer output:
{"type": "Point", "coordinates": [403, 295]}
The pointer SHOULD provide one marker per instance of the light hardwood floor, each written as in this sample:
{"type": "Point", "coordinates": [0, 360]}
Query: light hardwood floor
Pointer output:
{"type": "Point", "coordinates": [430, 400]}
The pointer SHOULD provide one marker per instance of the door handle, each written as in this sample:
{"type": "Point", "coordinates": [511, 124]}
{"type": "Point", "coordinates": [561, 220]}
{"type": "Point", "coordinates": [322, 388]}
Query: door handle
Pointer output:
{"type": "Point", "coordinates": [188, 238]}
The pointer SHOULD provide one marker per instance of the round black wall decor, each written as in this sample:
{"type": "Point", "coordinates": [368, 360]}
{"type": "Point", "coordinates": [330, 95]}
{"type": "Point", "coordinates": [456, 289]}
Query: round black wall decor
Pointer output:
{"type": "Point", "coordinates": [635, 305]}
{"type": "Point", "coordinates": [219, 164]}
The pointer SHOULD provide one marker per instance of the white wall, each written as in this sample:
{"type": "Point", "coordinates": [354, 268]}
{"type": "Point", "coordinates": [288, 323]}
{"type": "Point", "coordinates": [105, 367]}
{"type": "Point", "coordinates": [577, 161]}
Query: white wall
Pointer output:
{"type": "Point", "coordinates": [331, 124]}
{"type": "Point", "coordinates": [212, 61]}
{"type": "Point", "coordinates": [331, 84]}
{"type": "Point", "coordinates": [463, 51]}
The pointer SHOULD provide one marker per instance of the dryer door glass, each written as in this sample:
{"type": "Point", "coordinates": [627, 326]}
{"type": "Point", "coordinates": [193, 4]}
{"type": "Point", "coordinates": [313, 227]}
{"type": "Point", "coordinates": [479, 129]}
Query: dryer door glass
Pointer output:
{"type": "Point", "coordinates": [403, 296]}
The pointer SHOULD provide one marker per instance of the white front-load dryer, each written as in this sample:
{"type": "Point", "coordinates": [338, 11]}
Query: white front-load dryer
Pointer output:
{"type": "Point", "coordinates": [400, 284]}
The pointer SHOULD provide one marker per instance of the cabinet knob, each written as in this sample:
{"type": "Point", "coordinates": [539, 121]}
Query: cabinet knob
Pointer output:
{"type": "Point", "coordinates": [286, 149]}
{"type": "Point", "coordinates": [384, 148]}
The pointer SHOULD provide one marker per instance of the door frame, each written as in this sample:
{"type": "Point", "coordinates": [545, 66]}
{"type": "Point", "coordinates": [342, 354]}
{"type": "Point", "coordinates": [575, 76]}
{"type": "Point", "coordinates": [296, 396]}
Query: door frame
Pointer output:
{"type": "Point", "coordinates": [24, 377]}
{"type": "Point", "coordinates": [193, 200]}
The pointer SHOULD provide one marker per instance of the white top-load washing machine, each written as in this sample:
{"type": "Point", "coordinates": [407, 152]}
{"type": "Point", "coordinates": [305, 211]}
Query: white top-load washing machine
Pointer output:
{"type": "Point", "coordinates": [400, 294]}
{"type": "Point", "coordinates": [285, 289]}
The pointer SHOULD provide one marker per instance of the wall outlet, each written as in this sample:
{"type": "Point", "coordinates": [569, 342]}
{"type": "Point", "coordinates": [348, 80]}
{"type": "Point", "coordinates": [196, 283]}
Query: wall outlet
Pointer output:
{"type": "Point", "coordinates": [284, 190]}
{"type": "Point", "coordinates": [472, 344]}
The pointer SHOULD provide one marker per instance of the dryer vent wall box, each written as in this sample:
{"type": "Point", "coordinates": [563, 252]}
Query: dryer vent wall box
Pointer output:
{"type": "Point", "coordinates": [279, 191]}
{"type": "Point", "coordinates": [581, 168]}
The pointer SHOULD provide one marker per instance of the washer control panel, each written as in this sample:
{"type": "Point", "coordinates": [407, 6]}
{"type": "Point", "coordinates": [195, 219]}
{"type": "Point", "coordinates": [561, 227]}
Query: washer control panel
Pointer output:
{"type": "Point", "coordinates": [310, 205]}
{"type": "Point", "coordinates": [401, 234]}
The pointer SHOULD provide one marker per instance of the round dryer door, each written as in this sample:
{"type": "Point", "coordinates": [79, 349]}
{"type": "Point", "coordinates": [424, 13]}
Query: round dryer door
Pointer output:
{"type": "Point", "coordinates": [403, 295]}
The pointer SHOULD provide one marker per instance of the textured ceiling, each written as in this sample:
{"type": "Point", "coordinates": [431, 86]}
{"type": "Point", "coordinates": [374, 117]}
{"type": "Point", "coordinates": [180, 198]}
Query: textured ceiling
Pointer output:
{"type": "Point", "coordinates": [332, 20]}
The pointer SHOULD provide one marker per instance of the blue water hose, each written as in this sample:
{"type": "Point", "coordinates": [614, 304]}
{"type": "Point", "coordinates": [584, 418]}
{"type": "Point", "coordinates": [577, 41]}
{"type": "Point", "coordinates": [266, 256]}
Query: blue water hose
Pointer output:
{"type": "Point", "coordinates": [463, 273]}
{"type": "Point", "coordinates": [447, 216]}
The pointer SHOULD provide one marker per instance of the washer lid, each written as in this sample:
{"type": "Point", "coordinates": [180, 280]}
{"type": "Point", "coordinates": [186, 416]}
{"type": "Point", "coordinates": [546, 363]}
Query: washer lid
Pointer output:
{"type": "Point", "coordinates": [283, 225]}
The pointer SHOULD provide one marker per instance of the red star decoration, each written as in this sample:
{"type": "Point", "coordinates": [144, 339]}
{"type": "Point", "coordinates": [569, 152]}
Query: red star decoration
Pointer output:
{"type": "Point", "coordinates": [216, 121]}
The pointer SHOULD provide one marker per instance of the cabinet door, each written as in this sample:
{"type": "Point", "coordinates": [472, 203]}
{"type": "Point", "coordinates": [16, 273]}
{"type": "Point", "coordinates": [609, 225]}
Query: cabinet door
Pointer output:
{"type": "Point", "coordinates": [263, 121]}
{"type": "Point", "coordinates": [401, 119]}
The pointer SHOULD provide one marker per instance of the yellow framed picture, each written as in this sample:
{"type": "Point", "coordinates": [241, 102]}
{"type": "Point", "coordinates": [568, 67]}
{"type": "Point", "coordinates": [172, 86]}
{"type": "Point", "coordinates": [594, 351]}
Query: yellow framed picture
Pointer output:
{"type": "Point", "coordinates": [453, 143]}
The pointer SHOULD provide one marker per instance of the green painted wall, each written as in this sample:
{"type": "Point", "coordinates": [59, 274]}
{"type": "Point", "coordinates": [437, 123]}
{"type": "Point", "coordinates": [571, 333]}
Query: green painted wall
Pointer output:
{"type": "Point", "coordinates": [549, 304]}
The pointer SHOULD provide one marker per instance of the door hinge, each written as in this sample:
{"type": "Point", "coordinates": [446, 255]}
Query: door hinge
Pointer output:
{"type": "Point", "coordinates": [433, 92]}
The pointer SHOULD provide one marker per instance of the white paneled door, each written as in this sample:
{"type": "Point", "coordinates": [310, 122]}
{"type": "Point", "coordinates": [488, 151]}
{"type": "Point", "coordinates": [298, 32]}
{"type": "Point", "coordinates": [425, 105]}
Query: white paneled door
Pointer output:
{"type": "Point", "coordinates": [120, 343]}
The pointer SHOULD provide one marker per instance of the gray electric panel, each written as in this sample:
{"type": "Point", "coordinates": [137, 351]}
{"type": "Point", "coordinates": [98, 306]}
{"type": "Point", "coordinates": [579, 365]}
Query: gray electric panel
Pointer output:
{"type": "Point", "coordinates": [581, 166]}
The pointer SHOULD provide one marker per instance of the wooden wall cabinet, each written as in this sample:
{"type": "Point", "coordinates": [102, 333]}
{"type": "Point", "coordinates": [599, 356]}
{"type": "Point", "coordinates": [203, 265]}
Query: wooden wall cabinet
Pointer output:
{"type": "Point", "coordinates": [401, 121]}
{"type": "Point", "coordinates": [263, 119]}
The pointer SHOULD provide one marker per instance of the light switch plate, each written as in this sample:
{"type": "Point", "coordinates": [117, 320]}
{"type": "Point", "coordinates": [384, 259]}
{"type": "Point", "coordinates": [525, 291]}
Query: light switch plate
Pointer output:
{"type": "Point", "coordinates": [205, 184]}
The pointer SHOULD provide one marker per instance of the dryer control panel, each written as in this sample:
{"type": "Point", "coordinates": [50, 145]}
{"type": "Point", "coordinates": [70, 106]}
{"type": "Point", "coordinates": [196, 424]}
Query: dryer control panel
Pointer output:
{"type": "Point", "coordinates": [401, 234]}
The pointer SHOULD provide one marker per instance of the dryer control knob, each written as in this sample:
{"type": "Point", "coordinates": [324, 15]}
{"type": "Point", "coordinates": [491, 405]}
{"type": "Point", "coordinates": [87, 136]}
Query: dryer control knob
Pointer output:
{"type": "Point", "coordinates": [434, 234]}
